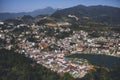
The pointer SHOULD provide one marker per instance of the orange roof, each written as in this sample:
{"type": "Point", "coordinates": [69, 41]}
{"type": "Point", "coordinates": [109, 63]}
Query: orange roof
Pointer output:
{"type": "Point", "coordinates": [43, 44]}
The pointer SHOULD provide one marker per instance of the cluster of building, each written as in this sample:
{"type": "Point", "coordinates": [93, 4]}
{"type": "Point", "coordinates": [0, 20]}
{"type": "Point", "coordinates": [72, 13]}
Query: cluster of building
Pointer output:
{"type": "Point", "coordinates": [50, 51]}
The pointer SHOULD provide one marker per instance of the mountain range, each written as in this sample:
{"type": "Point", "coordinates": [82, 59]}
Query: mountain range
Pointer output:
{"type": "Point", "coordinates": [92, 14]}
{"type": "Point", "coordinates": [99, 14]}
{"type": "Point", "coordinates": [47, 10]}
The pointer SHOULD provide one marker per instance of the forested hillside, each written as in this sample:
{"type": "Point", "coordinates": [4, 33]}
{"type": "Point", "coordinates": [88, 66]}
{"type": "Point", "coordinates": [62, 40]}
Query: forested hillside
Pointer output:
{"type": "Point", "coordinates": [14, 66]}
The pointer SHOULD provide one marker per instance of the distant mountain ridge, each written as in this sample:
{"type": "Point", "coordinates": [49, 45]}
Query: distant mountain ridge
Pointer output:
{"type": "Point", "coordinates": [47, 10]}
{"type": "Point", "coordinates": [97, 14]}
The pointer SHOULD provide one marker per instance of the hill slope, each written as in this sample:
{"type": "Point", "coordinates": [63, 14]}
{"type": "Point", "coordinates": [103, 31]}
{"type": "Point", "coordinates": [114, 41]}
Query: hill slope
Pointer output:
{"type": "Point", "coordinates": [15, 66]}
{"type": "Point", "coordinates": [97, 14]}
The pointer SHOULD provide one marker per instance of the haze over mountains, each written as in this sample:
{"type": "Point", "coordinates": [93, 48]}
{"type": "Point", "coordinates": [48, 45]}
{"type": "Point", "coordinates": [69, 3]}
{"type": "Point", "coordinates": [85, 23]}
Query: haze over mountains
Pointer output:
{"type": "Point", "coordinates": [47, 10]}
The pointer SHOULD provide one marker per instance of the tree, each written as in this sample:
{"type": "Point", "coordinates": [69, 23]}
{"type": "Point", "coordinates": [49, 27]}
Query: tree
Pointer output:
{"type": "Point", "coordinates": [67, 76]}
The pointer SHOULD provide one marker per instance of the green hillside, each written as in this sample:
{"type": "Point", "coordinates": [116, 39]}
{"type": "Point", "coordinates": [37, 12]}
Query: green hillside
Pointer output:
{"type": "Point", "coordinates": [15, 66]}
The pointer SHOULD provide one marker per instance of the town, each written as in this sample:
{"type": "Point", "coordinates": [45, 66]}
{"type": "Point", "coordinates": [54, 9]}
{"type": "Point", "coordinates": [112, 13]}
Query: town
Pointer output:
{"type": "Point", "coordinates": [49, 45]}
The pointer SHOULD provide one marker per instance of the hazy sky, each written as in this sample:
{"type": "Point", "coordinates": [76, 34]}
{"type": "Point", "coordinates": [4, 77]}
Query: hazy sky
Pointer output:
{"type": "Point", "coordinates": [30, 5]}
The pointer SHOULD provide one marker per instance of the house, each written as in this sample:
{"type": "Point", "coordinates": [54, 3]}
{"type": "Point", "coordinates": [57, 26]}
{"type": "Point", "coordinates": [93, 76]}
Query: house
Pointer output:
{"type": "Point", "coordinates": [43, 45]}
{"type": "Point", "coordinates": [63, 24]}
{"type": "Point", "coordinates": [79, 48]}
{"type": "Point", "coordinates": [1, 23]}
